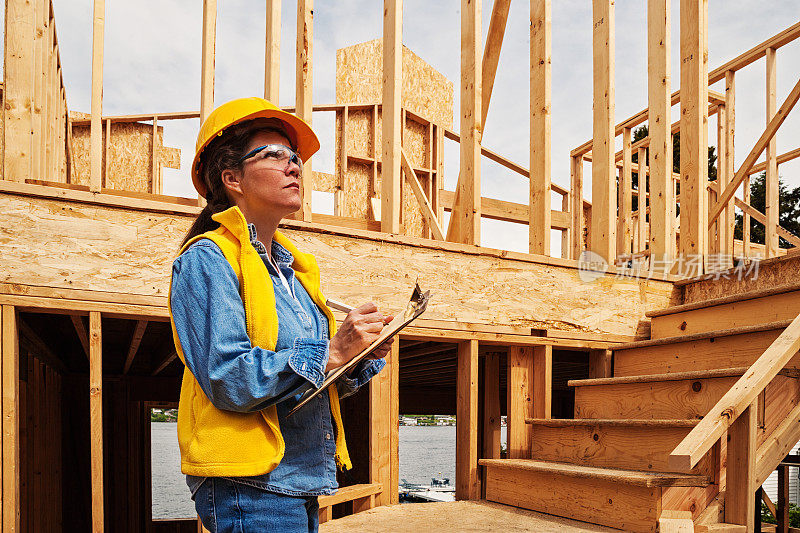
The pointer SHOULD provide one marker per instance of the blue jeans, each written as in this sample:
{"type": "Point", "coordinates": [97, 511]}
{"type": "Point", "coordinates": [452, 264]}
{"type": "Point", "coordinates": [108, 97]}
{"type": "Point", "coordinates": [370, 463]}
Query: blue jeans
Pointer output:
{"type": "Point", "coordinates": [225, 506]}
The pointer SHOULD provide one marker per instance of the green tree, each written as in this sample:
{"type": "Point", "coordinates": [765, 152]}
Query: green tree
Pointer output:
{"type": "Point", "coordinates": [789, 209]}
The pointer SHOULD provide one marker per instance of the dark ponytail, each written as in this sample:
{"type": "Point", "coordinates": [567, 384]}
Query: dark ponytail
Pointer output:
{"type": "Point", "coordinates": [221, 154]}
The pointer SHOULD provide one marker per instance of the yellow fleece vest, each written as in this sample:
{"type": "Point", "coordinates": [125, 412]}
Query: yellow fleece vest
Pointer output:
{"type": "Point", "coordinates": [214, 442]}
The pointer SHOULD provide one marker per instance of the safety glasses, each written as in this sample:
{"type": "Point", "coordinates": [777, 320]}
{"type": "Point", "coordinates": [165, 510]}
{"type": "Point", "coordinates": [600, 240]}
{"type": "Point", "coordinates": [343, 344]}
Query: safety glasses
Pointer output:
{"type": "Point", "coordinates": [280, 156]}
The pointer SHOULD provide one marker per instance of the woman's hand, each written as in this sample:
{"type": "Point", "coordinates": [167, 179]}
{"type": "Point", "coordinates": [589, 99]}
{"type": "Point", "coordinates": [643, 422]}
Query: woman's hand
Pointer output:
{"type": "Point", "coordinates": [360, 329]}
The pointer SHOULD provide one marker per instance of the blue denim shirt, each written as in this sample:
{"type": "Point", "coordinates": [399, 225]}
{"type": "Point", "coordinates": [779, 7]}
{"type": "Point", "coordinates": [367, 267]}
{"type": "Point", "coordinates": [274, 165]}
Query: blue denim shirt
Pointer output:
{"type": "Point", "coordinates": [210, 322]}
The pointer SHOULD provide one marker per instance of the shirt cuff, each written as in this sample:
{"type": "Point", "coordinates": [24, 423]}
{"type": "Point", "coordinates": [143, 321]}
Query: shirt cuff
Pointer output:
{"type": "Point", "coordinates": [309, 358]}
{"type": "Point", "coordinates": [363, 373]}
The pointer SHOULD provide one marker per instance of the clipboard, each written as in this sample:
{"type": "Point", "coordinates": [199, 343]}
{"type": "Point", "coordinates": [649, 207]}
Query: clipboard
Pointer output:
{"type": "Point", "coordinates": [416, 306]}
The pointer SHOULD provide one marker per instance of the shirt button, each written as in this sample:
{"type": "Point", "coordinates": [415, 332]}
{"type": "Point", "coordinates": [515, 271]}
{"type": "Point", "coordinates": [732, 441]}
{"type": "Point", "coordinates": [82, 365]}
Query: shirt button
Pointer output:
{"type": "Point", "coordinates": [327, 436]}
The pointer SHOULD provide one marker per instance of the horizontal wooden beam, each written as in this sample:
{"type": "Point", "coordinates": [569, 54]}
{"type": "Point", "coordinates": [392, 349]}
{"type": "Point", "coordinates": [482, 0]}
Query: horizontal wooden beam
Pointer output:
{"type": "Point", "coordinates": [495, 209]}
{"type": "Point", "coordinates": [757, 52]}
{"type": "Point", "coordinates": [783, 158]}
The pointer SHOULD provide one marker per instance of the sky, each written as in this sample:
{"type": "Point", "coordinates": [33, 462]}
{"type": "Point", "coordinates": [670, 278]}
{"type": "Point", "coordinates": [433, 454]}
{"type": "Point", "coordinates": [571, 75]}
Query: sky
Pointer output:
{"type": "Point", "coordinates": [153, 51]}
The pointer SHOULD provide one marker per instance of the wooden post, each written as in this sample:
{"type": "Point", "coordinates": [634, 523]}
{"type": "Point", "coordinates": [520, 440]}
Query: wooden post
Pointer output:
{"type": "Point", "coordinates": [600, 364]}
{"type": "Point", "coordinates": [18, 91]}
{"type": "Point", "coordinates": [566, 234]}
{"type": "Point", "coordinates": [10, 425]}
{"type": "Point", "coordinates": [642, 207]}
{"type": "Point", "coordinates": [467, 421]}
{"type": "Point", "coordinates": [576, 207]}
{"type": "Point", "coordinates": [39, 78]}
{"type": "Point", "coordinates": [95, 133]}
{"type": "Point", "coordinates": [540, 88]}
{"type": "Point", "coordinates": [383, 429]}
{"type": "Point", "coordinates": [542, 381]}
{"type": "Point", "coordinates": [96, 418]}
{"type": "Point", "coordinates": [491, 408]}
{"type": "Point", "coordinates": [772, 200]}
{"type": "Point", "coordinates": [156, 156]}
{"type": "Point", "coordinates": [338, 193]}
{"type": "Point", "coordinates": [694, 126]}
{"type": "Point", "coordinates": [721, 226]}
{"type": "Point", "coordinates": [740, 479]}
{"type": "Point", "coordinates": [471, 126]}
{"type": "Point", "coordinates": [272, 52]}
{"type": "Point", "coordinates": [782, 512]}
{"type": "Point", "coordinates": [207, 61]}
{"type": "Point", "coordinates": [659, 124]}
{"type": "Point", "coordinates": [390, 115]}
{"type": "Point", "coordinates": [304, 91]}
{"type": "Point", "coordinates": [604, 208]}
{"type": "Point", "coordinates": [106, 149]}
{"type": "Point", "coordinates": [624, 197]}
{"type": "Point", "coordinates": [730, 126]}
{"type": "Point", "coordinates": [520, 401]}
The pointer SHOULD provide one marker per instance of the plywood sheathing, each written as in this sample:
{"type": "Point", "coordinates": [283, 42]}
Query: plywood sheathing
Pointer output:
{"type": "Point", "coordinates": [130, 152]}
{"type": "Point", "coordinates": [80, 246]}
{"type": "Point", "coordinates": [425, 91]}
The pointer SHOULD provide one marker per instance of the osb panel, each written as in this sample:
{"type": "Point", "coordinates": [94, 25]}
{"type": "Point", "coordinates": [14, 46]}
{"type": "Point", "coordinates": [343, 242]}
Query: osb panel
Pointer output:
{"type": "Point", "coordinates": [768, 274]}
{"type": "Point", "coordinates": [425, 91]}
{"type": "Point", "coordinates": [359, 133]}
{"type": "Point", "coordinates": [74, 245]}
{"type": "Point", "coordinates": [324, 182]}
{"type": "Point", "coordinates": [357, 189]}
{"type": "Point", "coordinates": [415, 144]}
{"type": "Point", "coordinates": [130, 156]}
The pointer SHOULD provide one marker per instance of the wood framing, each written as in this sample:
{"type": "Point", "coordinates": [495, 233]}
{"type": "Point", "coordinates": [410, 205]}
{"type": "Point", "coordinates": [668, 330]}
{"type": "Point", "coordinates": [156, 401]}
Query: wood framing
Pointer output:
{"type": "Point", "coordinates": [542, 381]}
{"type": "Point", "coordinates": [694, 125]}
{"type": "Point", "coordinates": [207, 60]}
{"type": "Point", "coordinates": [540, 127]}
{"type": "Point", "coordinates": [304, 90]}
{"type": "Point", "coordinates": [272, 52]}
{"type": "Point", "coordinates": [491, 406]}
{"type": "Point", "coordinates": [390, 115]}
{"type": "Point", "coordinates": [96, 418]}
{"type": "Point", "coordinates": [384, 429]}
{"type": "Point", "coordinates": [659, 130]}
{"type": "Point", "coordinates": [98, 28]}
{"type": "Point", "coordinates": [10, 424]}
{"type": "Point", "coordinates": [741, 463]}
{"type": "Point", "coordinates": [470, 169]}
{"type": "Point", "coordinates": [422, 199]}
{"type": "Point", "coordinates": [467, 422]}
{"type": "Point", "coordinates": [604, 205]}
{"type": "Point", "coordinates": [625, 198]}
{"type": "Point", "coordinates": [576, 205]}
{"type": "Point", "coordinates": [519, 401]}
{"type": "Point", "coordinates": [491, 57]}
{"type": "Point", "coordinates": [772, 200]}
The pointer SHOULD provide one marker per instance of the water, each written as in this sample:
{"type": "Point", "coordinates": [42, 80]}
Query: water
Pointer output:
{"type": "Point", "coordinates": [425, 452]}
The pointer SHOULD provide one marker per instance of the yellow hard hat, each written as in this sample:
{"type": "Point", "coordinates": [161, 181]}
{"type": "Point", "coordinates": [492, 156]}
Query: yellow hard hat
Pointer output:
{"type": "Point", "coordinates": [240, 110]}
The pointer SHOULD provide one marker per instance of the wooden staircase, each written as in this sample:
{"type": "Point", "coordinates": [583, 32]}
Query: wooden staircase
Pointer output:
{"type": "Point", "coordinates": [611, 465]}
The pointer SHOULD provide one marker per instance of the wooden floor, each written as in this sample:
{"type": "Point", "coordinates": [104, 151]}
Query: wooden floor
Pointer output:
{"type": "Point", "coordinates": [455, 516]}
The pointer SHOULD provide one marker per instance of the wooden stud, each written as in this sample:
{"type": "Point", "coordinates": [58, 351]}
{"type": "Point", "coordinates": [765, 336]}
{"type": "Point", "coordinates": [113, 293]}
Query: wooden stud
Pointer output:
{"type": "Point", "coordinates": [373, 191]}
{"type": "Point", "coordinates": [393, 363]}
{"type": "Point", "coordinates": [467, 422]}
{"type": "Point", "coordinates": [542, 381]}
{"type": "Point", "coordinates": [39, 79]}
{"type": "Point", "coordinates": [96, 135]}
{"type": "Point", "coordinates": [96, 418]}
{"type": "Point", "coordinates": [471, 127]}
{"type": "Point", "coordinates": [390, 115]}
{"type": "Point", "coordinates": [576, 206]}
{"type": "Point", "coordinates": [272, 53]}
{"type": "Point", "coordinates": [106, 153]}
{"type": "Point", "coordinates": [600, 364]}
{"type": "Point", "coordinates": [207, 62]}
{"type": "Point", "coordinates": [339, 192]}
{"type": "Point", "coordinates": [519, 401]}
{"type": "Point", "coordinates": [727, 175]}
{"type": "Point", "coordinates": [659, 123]}
{"type": "Point", "coordinates": [18, 90]}
{"type": "Point", "coordinates": [491, 57]}
{"type": "Point", "coordinates": [781, 514]}
{"type": "Point", "coordinates": [761, 144]}
{"type": "Point", "coordinates": [540, 126]}
{"type": "Point", "coordinates": [745, 217]}
{"type": "Point", "coordinates": [694, 125]}
{"type": "Point", "coordinates": [566, 234]}
{"type": "Point", "coordinates": [10, 423]}
{"type": "Point", "coordinates": [625, 198]}
{"type": "Point", "coordinates": [304, 91]}
{"type": "Point", "coordinates": [155, 156]}
{"type": "Point", "coordinates": [380, 429]}
{"type": "Point", "coordinates": [604, 207]}
{"type": "Point", "coordinates": [720, 229]}
{"type": "Point", "coordinates": [772, 200]}
{"type": "Point", "coordinates": [740, 478]}
{"type": "Point", "coordinates": [491, 406]}
{"type": "Point", "coordinates": [165, 363]}
{"type": "Point", "coordinates": [641, 220]}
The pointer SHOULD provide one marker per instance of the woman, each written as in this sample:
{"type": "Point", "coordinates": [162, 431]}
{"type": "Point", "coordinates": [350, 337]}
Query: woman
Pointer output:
{"type": "Point", "coordinates": [251, 326]}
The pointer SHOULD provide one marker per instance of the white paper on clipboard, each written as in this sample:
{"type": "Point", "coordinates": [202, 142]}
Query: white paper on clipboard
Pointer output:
{"type": "Point", "coordinates": [416, 306]}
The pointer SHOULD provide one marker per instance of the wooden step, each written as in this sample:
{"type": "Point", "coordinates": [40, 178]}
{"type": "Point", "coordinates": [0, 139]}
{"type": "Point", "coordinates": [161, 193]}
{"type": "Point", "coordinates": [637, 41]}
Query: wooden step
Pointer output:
{"type": "Point", "coordinates": [681, 395]}
{"type": "Point", "coordinates": [642, 445]}
{"type": "Point", "coordinates": [747, 309]}
{"type": "Point", "coordinates": [728, 348]}
{"type": "Point", "coordinates": [623, 499]}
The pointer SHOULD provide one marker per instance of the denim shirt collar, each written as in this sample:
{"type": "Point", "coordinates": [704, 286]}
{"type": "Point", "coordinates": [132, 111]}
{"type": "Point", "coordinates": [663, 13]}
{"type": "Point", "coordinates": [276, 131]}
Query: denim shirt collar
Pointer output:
{"type": "Point", "coordinates": [282, 256]}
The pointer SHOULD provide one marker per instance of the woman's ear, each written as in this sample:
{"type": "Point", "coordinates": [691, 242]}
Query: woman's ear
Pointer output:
{"type": "Point", "coordinates": [232, 181]}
